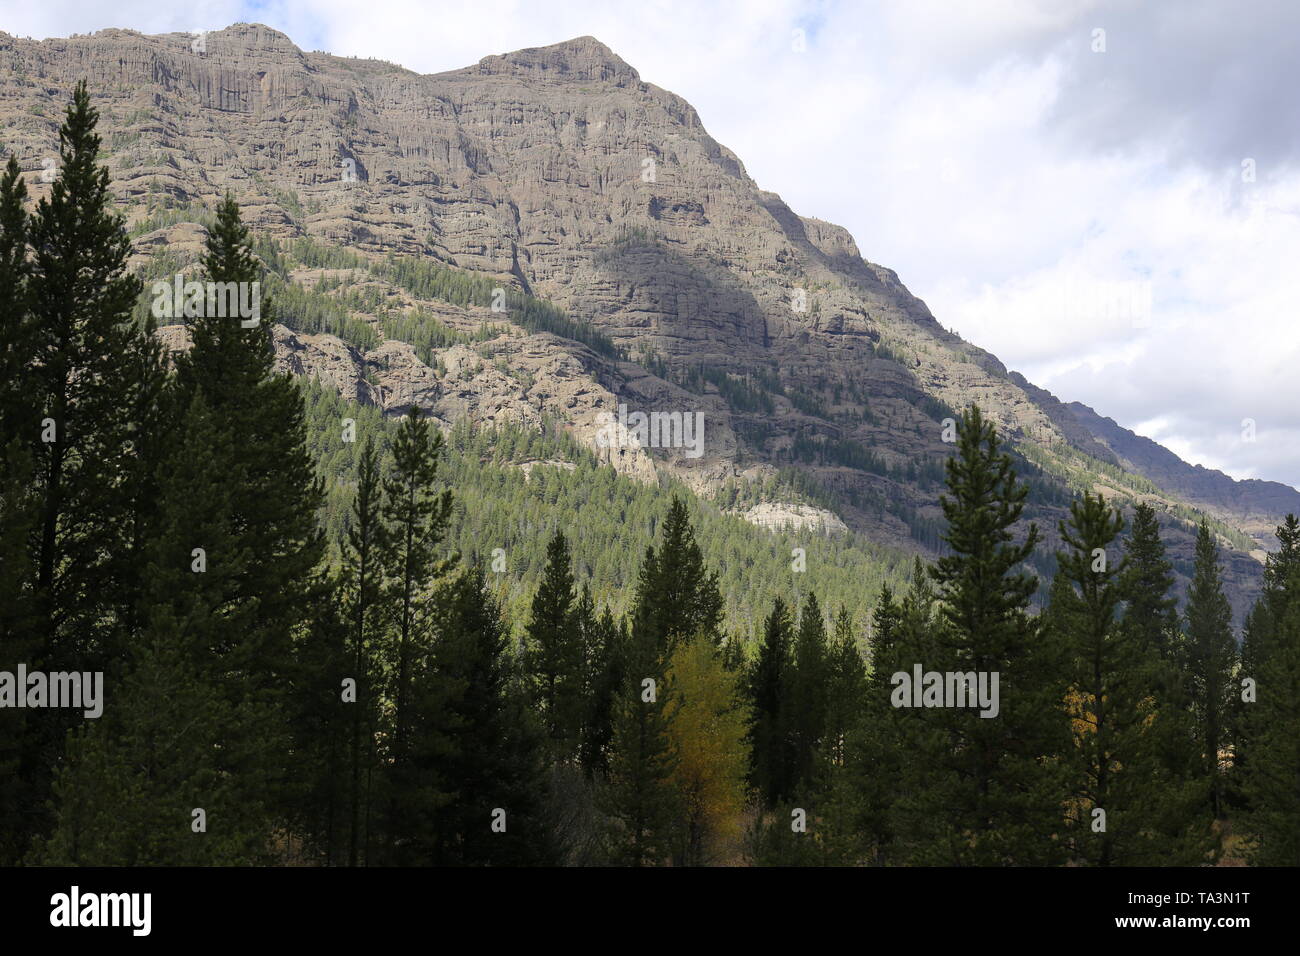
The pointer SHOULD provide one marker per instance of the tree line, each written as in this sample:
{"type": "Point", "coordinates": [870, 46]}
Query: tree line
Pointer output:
{"type": "Point", "coordinates": [273, 699]}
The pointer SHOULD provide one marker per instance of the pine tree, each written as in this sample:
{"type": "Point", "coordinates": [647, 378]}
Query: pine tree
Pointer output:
{"type": "Point", "coordinates": [1260, 638]}
{"type": "Point", "coordinates": [772, 772]}
{"type": "Point", "coordinates": [321, 712]}
{"type": "Point", "coordinates": [1211, 657]}
{"type": "Point", "coordinates": [809, 677]}
{"type": "Point", "coordinates": [1271, 774]}
{"type": "Point", "coordinates": [362, 590]}
{"type": "Point", "coordinates": [19, 634]}
{"type": "Point", "coordinates": [183, 732]}
{"type": "Point", "coordinates": [976, 790]}
{"type": "Point", "coordinates": [1127, 807]}
{"type": "Point", "coordinates": [18, 419]}
{"type": "Point", "coordinates": [846, 688]}
{"type": "Point", "coordinates": [677, 597]}
{"type": "Point", "coordinates": [415, 521]}
{"type": "Point", "coordinates": [496, 760]}
{"type": "Point", "coordinates": [80, 365]}
{"type": "Point", "coordinates": [128, 793]}
{"type": "Point", "coordinates": [1150, 619]}
{"type": "Point", "coordinates": [603, 648]}
{"type": "Point", "coordinates": [277, 494]}
{"type": "Point", "coordinates": [81, 381]}
{"type": "Point", "coordinates": [1151, 613]}
{"type": "Point", "coordinates": [642, 797]}
{"type": "Point", "coordinates": [555, 650]}
{"type": "Point", "coordinates": [19, 643]}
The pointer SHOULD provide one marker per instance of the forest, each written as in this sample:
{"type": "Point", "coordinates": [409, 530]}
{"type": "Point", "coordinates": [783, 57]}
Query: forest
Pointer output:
{"type": "Point", "coordinates": [317, 648]}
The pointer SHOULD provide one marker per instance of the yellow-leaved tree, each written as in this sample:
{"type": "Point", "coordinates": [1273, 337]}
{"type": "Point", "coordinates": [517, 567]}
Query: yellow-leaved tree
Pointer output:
{"type": "Point", "coordinates": [709, 727]}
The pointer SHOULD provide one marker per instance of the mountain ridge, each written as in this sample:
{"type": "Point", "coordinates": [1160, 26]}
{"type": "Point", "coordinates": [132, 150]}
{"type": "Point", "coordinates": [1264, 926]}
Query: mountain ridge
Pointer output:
{"type": "Point", "coordinates": [561, 174]}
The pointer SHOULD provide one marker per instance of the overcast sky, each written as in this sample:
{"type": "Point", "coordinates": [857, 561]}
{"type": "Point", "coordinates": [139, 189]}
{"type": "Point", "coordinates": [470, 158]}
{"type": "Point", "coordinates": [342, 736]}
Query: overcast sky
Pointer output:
{"type": "Point", "coordinates": [1103, 194]}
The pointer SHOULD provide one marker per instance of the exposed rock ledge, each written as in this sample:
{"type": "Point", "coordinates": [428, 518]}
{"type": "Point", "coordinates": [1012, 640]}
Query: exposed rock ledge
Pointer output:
{"type": "Point", "coordinates": [775, 516]}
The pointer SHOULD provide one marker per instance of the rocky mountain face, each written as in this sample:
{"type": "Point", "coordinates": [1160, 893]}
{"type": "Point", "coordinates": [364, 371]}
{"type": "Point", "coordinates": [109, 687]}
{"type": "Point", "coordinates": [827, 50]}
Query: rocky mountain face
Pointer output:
{"type": "Point", "coordinates": [1252, 505]}
{"type": "Point", "coordinates": [558, 174]}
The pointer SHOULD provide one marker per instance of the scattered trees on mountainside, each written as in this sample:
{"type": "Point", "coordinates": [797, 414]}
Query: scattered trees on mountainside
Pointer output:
{"type": "Point", "coordinates": [329, 638]}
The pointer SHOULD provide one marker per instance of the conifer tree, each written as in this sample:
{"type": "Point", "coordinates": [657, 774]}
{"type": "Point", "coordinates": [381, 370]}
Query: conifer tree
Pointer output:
{"type": "Point", "coordinates": [603, 647]}
{"type": "Point", "coordinates": [1150, 619]}
{"type": "Point", "coordinates": [809, 680]}
{"type": "Point", "coordinates": [1211, 658]}
{"type": "Point", "coordinates": [642, 797]}
{"type": "Point", "coordinates": [415, 519]}
{"type": "Point", "coordinates": [183, 732]}
{"type": "Point", "coordinates": [1260, 637]}
{"type": "Point", "coordinates": [1270, 722]}
{"type": "Point", "coordinates": [772, 772]}
{"type": "Point", "coordinates": [495, 757]}
{"type": "Point", "coordinates": [976, 790]}
{"type": "Point", "coordinates": [82, 383]}
{"type": "Point", "coordinates": [19, 635]}
{"type": "Point", "coordinates": [81, 364]}
{"type": "Point", "coordinates": [846, 688]}
{"type": "Point", "coordinates": [18, 419]}
{"type": "Point", "coordinates": [1126, 806]}
{"type": "Point", "coordinates": [1150, 613]}
{"type": "Point", "coordinates": [362, 590]}
{"type": "Point", "coordinates": [321, 712]}
{"type": "Point", "coordinates": [555, 652]}
{"type": "Point", "coordinates": [276, 494]}
{"type": "Point", "coordinates": [677, 597]}
{"type": "Point", "coordinates": [133, 781]}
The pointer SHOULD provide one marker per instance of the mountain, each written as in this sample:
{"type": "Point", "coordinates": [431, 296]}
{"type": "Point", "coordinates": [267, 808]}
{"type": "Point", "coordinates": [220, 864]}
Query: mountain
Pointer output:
{"type": "Point", "coordinates": [544, 236]}
{"type": "Point", "coordinates": [1252, 505]}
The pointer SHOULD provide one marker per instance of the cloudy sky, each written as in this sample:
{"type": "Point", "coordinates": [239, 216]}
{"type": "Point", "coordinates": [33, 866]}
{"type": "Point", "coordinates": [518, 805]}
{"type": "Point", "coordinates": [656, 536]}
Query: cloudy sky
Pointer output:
{"type": "Point", "coordinates": [1104, 194]}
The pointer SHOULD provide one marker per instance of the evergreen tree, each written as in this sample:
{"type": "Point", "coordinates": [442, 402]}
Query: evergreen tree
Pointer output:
{"type": "Point", "coordinates": [809, 680]}
{"type": "Point", "coordinates": [18, 419]}
{"type": "Point", "coordinates": [321, 715]}
{"type": "Point", "coordinates": [128, 793]}
{"type": "Point", "coordinates": [362, 593]}
{"type": "Point", "coordinates": [642, 797]}
{"type": "Point", "coordinates": [19, 631]}
{"type": "Point", "coordinates": [1211, 657]}
{"type": "Point", "coordinates": [846, 689]}
{"type": "Point", "coordinates": [183, 732]}
{"type": "Point", "coordinates": [1150, 613]}
{"type": "Point", "coordinates": [772, 772]}
{"type": "Point", "coordinates": [276, 494]}
{"type": "Point", "coordinates": [1150, 619]}
{"type": "Point", "coordinates": [1123, 725]}
{"type": "Point", "coordinates": [496, 761]}
{"type": "Point", "coordinates": [603, 647]}
{"type": "Point", "coordinates": [1260, 638]}
{"type": "Point", "coordinates": [976, 790]}
{"type": "Point", "coordinates": [20, 761]}
{"type": "Point", "coordinates": [1271, 774]}
{"type": "Point", "coordinates": [677, 597]}
{"type": "Point", "coordinates": [81, 381]}
{"type": "Point", "coordinates": [555, 651]}
{"type": "Point", "coordinates": [415, 520]}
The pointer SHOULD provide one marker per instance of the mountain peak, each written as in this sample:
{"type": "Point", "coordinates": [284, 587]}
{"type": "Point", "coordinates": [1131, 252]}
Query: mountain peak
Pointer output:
{"type": "Point", "coordinates": [582, 58]}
